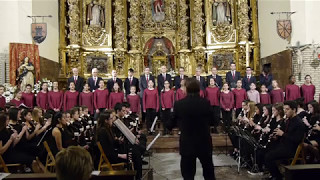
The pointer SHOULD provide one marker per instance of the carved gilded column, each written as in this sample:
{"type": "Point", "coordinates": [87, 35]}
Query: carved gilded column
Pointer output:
{"type": "Point", "coordinates": [120, 34]}
{"type": "Point", "coordinates": [74, 22]}
{"type": "Point", "coordinates": [243, 20]}
{"type": "Point", "coordinates": [255, 34]}
{"type": "Point", "coordinates": [183, 25]}
{"type": "Point", "coordinates": [198, 23]}
{"type": "Point", "coordinates": [134, 23]}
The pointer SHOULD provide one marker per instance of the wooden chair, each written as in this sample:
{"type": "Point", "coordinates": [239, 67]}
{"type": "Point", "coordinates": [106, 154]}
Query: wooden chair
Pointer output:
{"type": "Point", "coordinates": [5, 166]}
{"type": "Point", "coordinates": [50, 160]}
{"type": "Point", "coordinates": [299, 155]}
{"type": "Point", "coordinates": [104, 163]}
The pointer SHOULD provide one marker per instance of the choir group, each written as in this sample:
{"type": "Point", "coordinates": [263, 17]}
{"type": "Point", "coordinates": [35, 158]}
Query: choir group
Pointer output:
{"type": "Point", "coordinates": [84, 114]}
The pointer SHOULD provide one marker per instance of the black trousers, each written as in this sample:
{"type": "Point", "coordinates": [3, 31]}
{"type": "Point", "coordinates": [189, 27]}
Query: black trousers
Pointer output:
{"type": "Point", "coordinates": [279, 152]}
{"type": "Point", "coordinates": [227, 119]}
{"type": "Point", "coordinates": [150, 115]}
{"type": "Point", "coordinates": [165, 117]}
{"type": "Point", "coordinates": [238, 111]}
{"type": "Point", "coordinates": [188, 166]}
{"type": "Point", "coordinates": [215, 121]}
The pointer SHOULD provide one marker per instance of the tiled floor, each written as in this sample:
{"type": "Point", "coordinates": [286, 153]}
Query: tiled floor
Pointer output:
{"type": "Point", "coordinates": [167, 167]}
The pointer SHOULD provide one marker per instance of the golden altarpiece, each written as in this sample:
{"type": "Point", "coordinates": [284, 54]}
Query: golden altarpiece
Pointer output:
{"type": "Point", "coordinates": [122, 34]}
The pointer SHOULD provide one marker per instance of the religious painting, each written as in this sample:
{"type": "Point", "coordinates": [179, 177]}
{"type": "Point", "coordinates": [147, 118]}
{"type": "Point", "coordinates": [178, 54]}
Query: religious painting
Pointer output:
{"type": "Point", "coordinates": [39, 32]}
{"type": "Point", "coordinates": [221, 12]}
{"type": "Point", "coordinates": [101, 63]}
{"type": "Point", "coordinates": [158, 10]}
{"type": "Point", "coordinates": [222, 61]}
{"type": "Point", "coordinates": [95, 14]}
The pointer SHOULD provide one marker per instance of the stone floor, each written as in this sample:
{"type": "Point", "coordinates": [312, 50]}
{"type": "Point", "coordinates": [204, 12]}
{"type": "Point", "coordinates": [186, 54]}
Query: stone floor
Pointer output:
{"type": "Point", "coordinates": [167, 167]}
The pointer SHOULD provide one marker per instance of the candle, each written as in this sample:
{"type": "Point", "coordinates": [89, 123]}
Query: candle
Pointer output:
{"type": "Point", "coordinates": [247, 54]}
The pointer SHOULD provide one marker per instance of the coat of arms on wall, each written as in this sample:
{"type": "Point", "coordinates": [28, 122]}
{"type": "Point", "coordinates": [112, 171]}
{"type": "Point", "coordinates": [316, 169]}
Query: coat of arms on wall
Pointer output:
{"type": "Point", "coordinates": [284, 28]}
{"type": "Point", "coordinates": [39, 32]}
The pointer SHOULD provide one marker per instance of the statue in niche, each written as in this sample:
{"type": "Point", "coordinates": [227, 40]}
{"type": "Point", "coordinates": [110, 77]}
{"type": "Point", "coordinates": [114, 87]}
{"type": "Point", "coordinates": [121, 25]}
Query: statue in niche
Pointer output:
{"type": "Point", "coordinates": [26, 76]}
{"type": "Point", "coordinates": [221, 12]}
{"type": "Point", "coordinates": [95, 14]}
{"type": "Point", "coordinates": [157, 10]}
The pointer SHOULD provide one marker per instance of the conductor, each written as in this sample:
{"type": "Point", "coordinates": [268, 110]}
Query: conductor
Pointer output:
{"type": "Point", "coordinates": [193, 115]}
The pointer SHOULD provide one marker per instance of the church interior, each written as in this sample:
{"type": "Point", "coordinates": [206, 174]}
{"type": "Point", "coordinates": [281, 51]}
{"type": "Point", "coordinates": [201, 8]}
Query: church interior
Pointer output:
{"type": "Point", "coordinates": [45, 41]}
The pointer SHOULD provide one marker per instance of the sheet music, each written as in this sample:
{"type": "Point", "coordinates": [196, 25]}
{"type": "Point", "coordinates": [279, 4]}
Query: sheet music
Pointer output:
{"type": "Point", "coordinates": [153, 124]}
{"type": "Point", "coordinates": [126, 132]}
{"type": "Point", "coordinates": [152, 142]}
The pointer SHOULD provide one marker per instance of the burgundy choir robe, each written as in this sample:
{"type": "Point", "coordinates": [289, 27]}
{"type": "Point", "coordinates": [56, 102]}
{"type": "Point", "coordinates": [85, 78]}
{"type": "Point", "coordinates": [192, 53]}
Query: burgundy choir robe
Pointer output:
{"type": "Point", "coordinates": [2, 101]}
{"type": "Point", "coordinates": [276, 96]}
{"type": "Point", "coordinates": [308, 92]}
{"type": "Point", "coordinates": [213, 95]}
{"type": "Point", "coordinates": [239, 96]}
{"type": "Point", "coordinates": [28, 99]}
{"type": "Point", "coordinates": [180, 94]}
{"type": "Point", "coordinates": [167, 99]}
{"type": "Point", "coordinates": [55, 100]}
{"type": "Point", "coordinates": [100, 98]}
{"type": "Point", "coordinates": [150, 99]}
{"type": "Point", "coordinates": [86, 99]}
{"type": "Point", "coordinates": [202, 93]}
{"type": "Point", "coordinates": [70, 100]}
{"type": "Point", "coordinates": [292, 92]}
{"type": "Point", "coordinates": [227, 100]}
{"type": "Point", "coordinates": [265, 98]}
{"type": "Point", "coordinates": [42, 100]}
{"type": "Point", "coordinates": [16, 102]}
{"type": "Point", "coordinates": [134, 101]}
{"type": "Point", "coordinates": [115, 98]}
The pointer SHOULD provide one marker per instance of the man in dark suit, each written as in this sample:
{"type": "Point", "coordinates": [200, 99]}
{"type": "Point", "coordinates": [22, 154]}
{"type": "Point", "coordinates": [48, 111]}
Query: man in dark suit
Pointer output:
{"type": "Point", "coordinates": [113, 79]}
{"type": "Point", "coordinates": [248, 79]}
{"type": "Point", "coordinates": [193, 115]}
{"type": "Point", "coordinates": [201, 79]}
{"type": "Point", "coordinates": [177, 79]}
{"type": "Point", "coordinates": [143, 84]}
{"type": "Point", "coordinates": [216, 78]}
{"type": "Point", "coordinates": [291, 136]}
{"type": "Point", "coordinates": [78, 81]}
{"type": "Point", "coordinates": [131, 81]}
{"type": "Point", "coordinates": [94, 80]}
{"type": "Point", "coordinates": [233, 76]}
{"type": "Point", "coordinates": [162, 78]}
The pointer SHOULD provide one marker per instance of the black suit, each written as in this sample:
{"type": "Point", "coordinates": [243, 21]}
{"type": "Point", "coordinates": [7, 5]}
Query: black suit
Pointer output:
{"type": "Point", "coordinates": [292, 137]}
{"type": "Point", "coordinates": [232, 81]}
{"type": "Point", "coordinates": [202, 82]}
{"type": "Point", "coordinates": [79, 83]}
{"type": "Point", "coordinates": [110, 83]}
{"type": "Point", "coordinates": [161, 81]}
{"type": "Point", "coordinates": [266, 80]}
{"type": "Point", "coordinates": [246, 82]}
{"type": "Point", "coordinates": [177, 81]}
{"type": "Point", "coordinates": [193, 115]}
{"type": "Point", "coordinates": [92, 84]}
{"type": "Point", "coordinates": [218, 80]}
{"type": "Point", "coordinates": [127, 84]}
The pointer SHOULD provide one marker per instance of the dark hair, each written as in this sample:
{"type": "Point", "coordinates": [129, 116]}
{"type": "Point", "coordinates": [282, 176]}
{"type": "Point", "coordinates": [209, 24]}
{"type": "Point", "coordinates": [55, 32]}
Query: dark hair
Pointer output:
{"type": "Point", "coordinates": [316, 108]}
{"type": "Point", "coordinates": [232, 63]}
{"type": "Point", "coordinates": [28, 85]}
{"type": "Point", "coordinates": [269, 108]}
{"type": "Point", "coordinates": [2, 86]}
{"type": "Point", "coordinates": [266, 68]}
{"type": "Point", "coordinates": [192, 87]}
{"type": "Point", "coordinates": [131, 70]}
{"type": "Point", "coordinates": [292, 104]}
{"type": "Point", "coordinates": [56, 119]}
{"type": "Point", "coordinates": [119, 89]}
{"type": "Point", "coordinates": [13, 113]}
{"type": "Point", "coordinates": [118, 107]}
{"type": "Point", "coordinates": [3, 122]}
{"type": "Point", "coordinates": [24, 114]}
{"type": "Point", "coordinates": [181, 68]}
{"type": "Point", "coordinates": [84, 107]}
{"type": "Point", "coordinates": [126, 104]}
{"type": "Point", "coordinates": [73, 111]}
{"type": "Point", "coordinates": [102, 123]}
{"type": "Point", "coordinates": [300, 102]}
{"type": "Point", "coordinates": [246, 101]}
{"type": "Point", "coordinates": [260, 106]}
{"type": "Point", "coordinates": [307, 76]}
{"type": "Point", "coordinates": [249, 68]}
{"type": "Point", "coordinates": [279, 108]}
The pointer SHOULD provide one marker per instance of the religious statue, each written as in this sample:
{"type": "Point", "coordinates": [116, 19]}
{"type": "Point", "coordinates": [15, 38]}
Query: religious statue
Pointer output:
{"type": "Point", "coordinates": [158, 10]}
{"type": "Point", "coordinates": [95, 14]}
{"type": "Point", "coordinates": [26, 74]}
{"type": "Point", "coordinates": [221, 12]}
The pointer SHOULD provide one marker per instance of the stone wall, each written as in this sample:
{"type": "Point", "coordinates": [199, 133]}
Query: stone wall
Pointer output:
{"type": "Point", "coordinates": [4, 66]}
{"type": "Point", "coordinates": [310, 66]}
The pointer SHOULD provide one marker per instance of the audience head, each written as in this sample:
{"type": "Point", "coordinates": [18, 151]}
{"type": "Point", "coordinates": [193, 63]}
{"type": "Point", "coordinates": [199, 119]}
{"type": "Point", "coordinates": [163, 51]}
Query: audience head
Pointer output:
{"type": "Point", "coordinates": [259, 109]}
{"type": "Point", "coordinates": [106, 119]}
{"type": "Point", "coordinates": [267, 110]}
{"type": "Point", "coordinates": [26, 116]}
{"type": "Point", "coordinates": [4, 121]}
{"type": "Point", "coordinates": [127, 106]}
{"type": "Point", "coordinates": [36, 115]}
{"type": "Point", "coordinates": [75, 113]}
{"type": "Point", "coordinates": [75, 71]}
{"type": "Point", "coordinates": [73, 162]}
{"type": "Point", "coordinates": [13, 114]}
{"type": "Point", "coordinates": [192, 87]}
{"type": "Point", "coordinates": [290, 108]}
{"type": "Point", "coordinates": [94, 72]}
{"type": "Point", "coordinates": [233, 66]}
{"type": "Point", "coordinates": [251, 109]}
{"type": "Point", "coordinates": [308, 79]}
{"type": "Point", "coordinates": [300, 102]}
{"type": "Point", "coordinates": [244, 105]}
{"type": "Point", "coordinates": [28, 88]}
{"type": "Point", "coordinates": [85, 110]}
{"type": "Point", "coordinates": [313, 108]}
{"type": "Point", "coordinates": [277, 110]}
{"type": "Point", "coordinates": [120, 110]}
{"type": "Point", "coordinates": [59, 118]}
{"type": "Point", "coordinates": [130, 72]}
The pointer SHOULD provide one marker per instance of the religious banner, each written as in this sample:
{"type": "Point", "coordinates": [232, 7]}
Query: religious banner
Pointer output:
{"type": "Point", "coordinates": [39, 32]}
{"type": "Point", "coordinates": [24, 64]}
{"type": "Point", "coordinates": [284, 28]}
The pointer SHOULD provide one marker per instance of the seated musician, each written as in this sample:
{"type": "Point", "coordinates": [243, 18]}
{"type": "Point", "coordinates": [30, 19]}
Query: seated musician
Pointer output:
{"type": "Point", "coordinates": [312, 141]}
{"type": "Point", "coordinates": [107, 139]}
{"type": "Point", "coordinates": [291, 137]}
{"type": "Point", "coordinates": [301, 112]}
